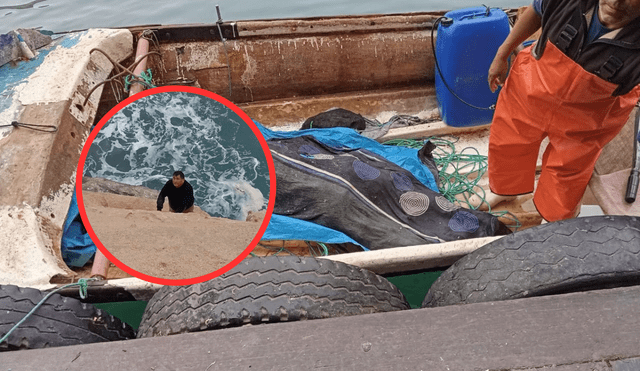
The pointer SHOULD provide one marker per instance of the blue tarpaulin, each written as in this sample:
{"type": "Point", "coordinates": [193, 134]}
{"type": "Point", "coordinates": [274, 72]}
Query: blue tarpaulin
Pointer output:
{"type": "Point", "coordinates": [406, 158]}
{"type": "Point", "coordinates": [77, 246]}
{"type": "Point", "coordinates": [287, 228]}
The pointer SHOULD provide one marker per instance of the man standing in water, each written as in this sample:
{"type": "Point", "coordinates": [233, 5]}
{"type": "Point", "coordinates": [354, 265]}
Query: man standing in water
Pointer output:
{"type": "Point", "coordinates": [180, 194]}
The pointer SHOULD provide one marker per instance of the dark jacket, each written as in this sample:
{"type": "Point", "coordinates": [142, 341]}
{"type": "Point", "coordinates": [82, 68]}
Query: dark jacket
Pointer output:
{"type": "Point", "coordinates": [180, 199]}
{"type": "Point", "coordinates": [614, 57]}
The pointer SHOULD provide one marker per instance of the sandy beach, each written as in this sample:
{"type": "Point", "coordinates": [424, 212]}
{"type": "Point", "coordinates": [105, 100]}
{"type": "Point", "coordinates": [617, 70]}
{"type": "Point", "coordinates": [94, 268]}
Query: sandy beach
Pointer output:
{"type": "Point", "coordinates": [164, 244]}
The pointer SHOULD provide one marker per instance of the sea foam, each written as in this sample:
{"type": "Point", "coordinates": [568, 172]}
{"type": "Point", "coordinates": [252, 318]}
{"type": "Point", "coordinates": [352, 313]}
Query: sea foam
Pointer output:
{"type": "Point", "coordinates": [144, 143]}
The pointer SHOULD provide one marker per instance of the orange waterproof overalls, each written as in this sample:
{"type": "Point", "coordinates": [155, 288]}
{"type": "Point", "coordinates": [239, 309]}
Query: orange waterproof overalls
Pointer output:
{"type": "Point", "coordinates": [555, 97]}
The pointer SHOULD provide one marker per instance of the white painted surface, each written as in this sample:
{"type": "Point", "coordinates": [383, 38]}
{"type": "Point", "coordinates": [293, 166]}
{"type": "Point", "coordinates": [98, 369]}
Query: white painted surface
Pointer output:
{"type": "Point", "coordinates": [60, 74]}
{"type": "Point", "coordinates": [590, 210]}
{"type": "Point", "coordinates": [26, 258]}
{"type": "Point", "coordinates": [402, 259]}
{"type": "Point", "coordinates": [8, 115]}
{"type": "Point", "coordinates": [27, 253]}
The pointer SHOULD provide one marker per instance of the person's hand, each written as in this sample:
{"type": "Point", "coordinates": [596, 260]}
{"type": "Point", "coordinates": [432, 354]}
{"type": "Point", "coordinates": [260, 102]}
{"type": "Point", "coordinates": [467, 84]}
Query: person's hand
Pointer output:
{"type": "Point", "coordinates": [498, 72]}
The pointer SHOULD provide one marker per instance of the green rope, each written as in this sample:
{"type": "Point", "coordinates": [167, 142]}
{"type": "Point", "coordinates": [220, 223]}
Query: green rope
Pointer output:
{"type": "Point", "coordinates": [276, 250]}
{"type": "Point", "coordinates": [145, 78]}
{"type": "Point", "coordinates": [409, 143]}
{"type": "Point", "coordinates": [82, 283]}
{"type": "Point", "coordinates": [460, 172]}
{"type": "Point", "coordinates": [281, 250]}
{"type": "Point", "coordinates": [325, 250]}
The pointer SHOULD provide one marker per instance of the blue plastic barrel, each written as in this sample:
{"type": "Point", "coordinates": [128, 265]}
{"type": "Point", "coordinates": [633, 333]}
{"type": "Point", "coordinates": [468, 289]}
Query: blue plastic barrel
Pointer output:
{"type": "Point", "coordinates": [465, 49]}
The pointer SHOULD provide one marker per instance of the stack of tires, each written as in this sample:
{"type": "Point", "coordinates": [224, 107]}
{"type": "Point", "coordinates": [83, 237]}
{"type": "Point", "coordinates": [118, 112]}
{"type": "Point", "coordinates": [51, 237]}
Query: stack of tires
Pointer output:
{"type": "Point", "coordinates": [59, 321]}
{"type": "Point", "coordinates": [258, 290]}
{"type": "Point", "coordinates": [567, 256]}
{"type": "Point", "coordinates": [271, 289]}
{"type": "Point", "coordinates": [573, 255]}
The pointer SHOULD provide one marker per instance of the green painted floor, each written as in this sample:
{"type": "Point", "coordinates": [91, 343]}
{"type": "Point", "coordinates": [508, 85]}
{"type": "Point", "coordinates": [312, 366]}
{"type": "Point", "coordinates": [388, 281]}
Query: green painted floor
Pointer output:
{"type": "Point", "coordinates": [129, 312]}
{"type": "Point", "coordinates": [415, 286]}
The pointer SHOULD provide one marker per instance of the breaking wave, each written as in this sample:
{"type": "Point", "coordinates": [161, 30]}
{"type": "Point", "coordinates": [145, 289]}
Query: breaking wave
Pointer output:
{"type": "Point", "coordinates": [144, 143]}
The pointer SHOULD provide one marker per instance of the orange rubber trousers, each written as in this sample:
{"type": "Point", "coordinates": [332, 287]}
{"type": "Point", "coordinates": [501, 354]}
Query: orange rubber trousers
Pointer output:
{"type": "Point", "coordinates": [552, 97]}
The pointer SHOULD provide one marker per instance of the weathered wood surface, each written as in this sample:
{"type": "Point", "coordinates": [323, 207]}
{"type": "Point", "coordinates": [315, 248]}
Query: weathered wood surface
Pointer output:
{"type": "Point", "coordinates": [598, 330]}
{"type": "Point", "coordinates": [38, 168]}
{"type": "Point", "coordinates": [409, 258]}
{"type": "Point", "coordinates": [342, 23]}
{"type": "Point", "coordinates": [371, 103]}
{"type": "Point", "coordinates": [294, 65]}
{"type": "Point", "coordinates": [430, 129]}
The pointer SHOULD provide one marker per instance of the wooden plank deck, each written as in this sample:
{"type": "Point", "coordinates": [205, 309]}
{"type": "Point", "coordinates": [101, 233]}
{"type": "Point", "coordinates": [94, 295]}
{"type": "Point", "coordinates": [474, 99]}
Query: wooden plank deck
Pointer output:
{"type": "Point", "coordinates": [598, 330]}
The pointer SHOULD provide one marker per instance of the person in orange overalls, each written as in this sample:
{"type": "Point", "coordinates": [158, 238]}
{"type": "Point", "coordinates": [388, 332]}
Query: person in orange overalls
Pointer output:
{"type": "Point", "coordinates": [576, 85]}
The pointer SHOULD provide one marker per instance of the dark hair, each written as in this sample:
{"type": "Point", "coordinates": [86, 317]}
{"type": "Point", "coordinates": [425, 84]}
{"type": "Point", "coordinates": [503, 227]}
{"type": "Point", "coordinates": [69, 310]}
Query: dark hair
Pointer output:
{"type": "Point", "coordinates": [178, 173]}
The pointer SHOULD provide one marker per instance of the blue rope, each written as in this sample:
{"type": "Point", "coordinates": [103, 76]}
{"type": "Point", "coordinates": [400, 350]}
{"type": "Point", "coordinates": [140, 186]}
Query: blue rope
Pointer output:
{"type": "Point", "coordinates": [82, 283]}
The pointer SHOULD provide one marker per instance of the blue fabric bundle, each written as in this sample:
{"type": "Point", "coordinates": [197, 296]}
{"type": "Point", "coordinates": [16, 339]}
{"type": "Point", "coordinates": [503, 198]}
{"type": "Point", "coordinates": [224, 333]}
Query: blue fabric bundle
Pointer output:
{"type": "Point", "coordinates": [77, 246]}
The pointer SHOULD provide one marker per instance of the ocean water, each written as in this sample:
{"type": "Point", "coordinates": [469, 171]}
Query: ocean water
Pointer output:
{"type": "Point", "coordinates": [144, 143]}
{"type": "Point", "coordinates": [65, 15]}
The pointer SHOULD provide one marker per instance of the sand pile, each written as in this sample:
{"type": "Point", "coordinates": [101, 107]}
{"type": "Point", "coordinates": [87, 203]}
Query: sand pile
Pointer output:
{"type": "Point", "coordinates": [165, 244]}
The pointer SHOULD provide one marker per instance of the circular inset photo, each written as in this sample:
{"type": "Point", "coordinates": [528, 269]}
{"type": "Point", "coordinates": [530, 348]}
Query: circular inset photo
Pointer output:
{"type": "Point", "coordinates": [176, 186]}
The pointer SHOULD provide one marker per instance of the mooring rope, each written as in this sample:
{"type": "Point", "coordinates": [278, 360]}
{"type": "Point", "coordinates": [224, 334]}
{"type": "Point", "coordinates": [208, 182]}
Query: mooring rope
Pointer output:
{"type": "Point", "coordinates": [122, 70]}
{"type": "Point", "coordinates": [42, 128]}
{"type": "Point", "coordinates": [322, 251]}
{"type": "Point", "coordinates": [144, 79]}
{"type": "Point", "coordinates": [82, 284]}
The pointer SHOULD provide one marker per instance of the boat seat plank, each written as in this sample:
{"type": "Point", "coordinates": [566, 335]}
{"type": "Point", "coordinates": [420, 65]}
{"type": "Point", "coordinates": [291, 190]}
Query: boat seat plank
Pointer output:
{"type": "Point", "coordinates": [598, 328]}
{"type": "Point", "coordinates": [610, 191]}
{"type": "Point", "coordinates": [413, 258]}
{"type": "Point", "coordinates": [430, 129]}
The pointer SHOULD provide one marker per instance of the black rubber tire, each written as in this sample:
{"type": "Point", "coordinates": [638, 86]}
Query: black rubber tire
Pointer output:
{"type": "Point", "coordinates": [270, 289]}
{"type": "Point", "coordinates": [59, 321]}
{"type": "Point", "coordinates": [567, 256]}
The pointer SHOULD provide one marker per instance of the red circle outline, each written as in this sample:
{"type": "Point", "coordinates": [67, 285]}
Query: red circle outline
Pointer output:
{"type": "Point", "coordinates": [265, 149]}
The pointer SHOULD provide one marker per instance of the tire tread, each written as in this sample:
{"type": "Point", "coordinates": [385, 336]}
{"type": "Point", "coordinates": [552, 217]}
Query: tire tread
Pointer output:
{"type": "Point", "coordinates": [59, 321]}
{"type": "Point", "coordinates": [566, 256]}
{"type": "Point", "coordinates": [271, 289]}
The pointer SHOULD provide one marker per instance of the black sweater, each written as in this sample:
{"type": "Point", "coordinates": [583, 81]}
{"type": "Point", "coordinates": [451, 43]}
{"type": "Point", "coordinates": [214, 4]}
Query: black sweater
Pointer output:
{"type": "Point", "coordinates": [180, 199]}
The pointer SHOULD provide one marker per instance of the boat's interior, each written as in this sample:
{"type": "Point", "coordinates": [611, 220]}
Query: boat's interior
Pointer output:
{"type": "Point", "coordinates": [281, 72]}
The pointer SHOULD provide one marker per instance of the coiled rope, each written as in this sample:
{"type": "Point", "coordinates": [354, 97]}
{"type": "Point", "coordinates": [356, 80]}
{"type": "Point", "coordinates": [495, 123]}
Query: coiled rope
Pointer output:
{"type": "Point", "coordinates": [459, 172]}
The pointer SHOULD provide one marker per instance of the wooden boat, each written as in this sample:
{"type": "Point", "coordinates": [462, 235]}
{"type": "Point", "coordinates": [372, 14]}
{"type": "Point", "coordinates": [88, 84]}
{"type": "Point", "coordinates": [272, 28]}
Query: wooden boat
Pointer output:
{"type": "Point", "coordinates": [279, 72]}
